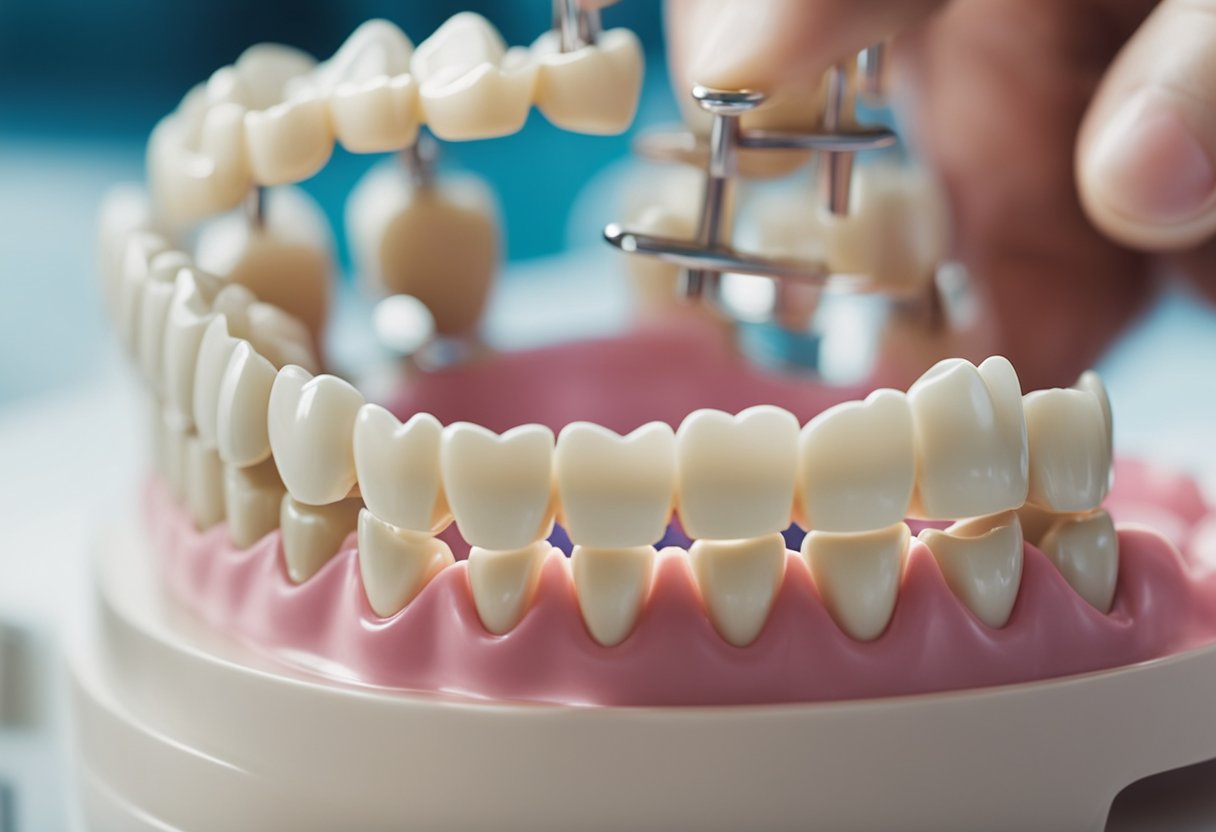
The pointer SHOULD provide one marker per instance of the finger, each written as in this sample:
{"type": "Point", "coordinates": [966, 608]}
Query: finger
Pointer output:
{"type": "Point", "coordinates": [1147, 150]}
{"type": "Point", "coordinates": [596, 4]}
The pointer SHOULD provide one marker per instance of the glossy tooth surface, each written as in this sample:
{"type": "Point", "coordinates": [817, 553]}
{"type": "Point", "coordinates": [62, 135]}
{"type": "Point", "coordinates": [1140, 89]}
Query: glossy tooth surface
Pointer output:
{"type": "Point", "coordinates": [739, 580]}
{"type": "Point", "coordinates": [311, 424]}
{"type": "Point", "coordinates": [189, 316]}
{"type": "Point", "coordinates": [735, 474]}
{"type": "Point", "coordinates": [1085, 549]}
{"type": "Point", "coordinates": [1091, 383]}
{"type": "Point", "coordinates": [857, 464]}
{"type": "Point", "coordinates": [396, 564]}
{"type": "Point", "coordinates": [214, 352]}
{"type": "Point", "coordinates": [1070, 462]}
{"type": "Point", "coordinates": [981, 560]}
{"type": "Point", "coordinates": [616, 491]}
{"type": "Point", "coordinates": [593, 89]}
{"type": "Point", "coordinates": [253, 500]}
{"type": "Point", "coordinates": [154, 313]}
{"type": "Point", "coordinates": [288, 142]}
{"type": "Point", "coordinates": [312, 535]}
{"type": "Point", "coordinates": [858, 575]}
{"type": "Point", "coordinates": [142, 248]}
{"type": "Point", "coordinates": [204, 483]}
{"type": "Point", "coordinates": [242, 406]}
{"type": "Point", "coordinates": [504, 582]}
{"type": "Point", "coordinates": [970, 440]}
{"type": "Point", "coordinates": [125, 210]}
{"type": "Point", "coordinates": [498, 487]}
{"type": "Point", "coordinates": [612, 585]}
{"type": "Point", "coordinates": [398, 469]}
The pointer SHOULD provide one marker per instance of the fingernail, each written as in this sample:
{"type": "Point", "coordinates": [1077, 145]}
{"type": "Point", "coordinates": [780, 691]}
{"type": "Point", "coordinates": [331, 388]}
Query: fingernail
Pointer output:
{"type": "Point", "coordinates": [1150, 165]}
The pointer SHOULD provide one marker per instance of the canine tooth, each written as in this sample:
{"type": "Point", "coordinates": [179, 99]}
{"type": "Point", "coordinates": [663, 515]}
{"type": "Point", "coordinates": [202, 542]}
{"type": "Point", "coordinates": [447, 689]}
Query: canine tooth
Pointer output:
{"type": "Point", "coordinates": [858, 576]}
{"type": "Point", "coordinates": [1086, 551]}
{"type": "Point", "coordinates": [593, 89]}
{"type": "Point", "coordinates": [288, 142]}
{"type": "Point", "coordinates": [125, 210]}
{"type": "Point", "coordinates": [981, 560]}
{"type": "Point", "coordinates": [970, 440]}
{"type": "Point", "coordinates": [253, 499]}
{"type": "Point", "coordinates": [398, 469]}
{"type": "Point", "coordinates": [739, 580]}
{"type": "Point", "coordinates": [611, 585]}
{"type": "Point", "coordinates": [214, 352]}
{"type": "Point", "coordinates": [314, 534]}
{"type": "Point", "coordinates": [503, 583]}
{"type": "Point", "coordinates": [189, 315]}
{"type": "Point", "coordinates": [857, 464]}
{"type": "Point", "coordinates": [142, 248]}
{"type": "Point", "coordinates": [735, 474]}
{"type": "Point", "coordinates": [158, 291]}
{"type": "Point", "coordinates": [616, 491]}
{"type": "Point", "coordinates": [396, 563]}
{"type": "Point", "coordinates": [242, 407]}
{"type": "Point", "coordinates": [204, 483]}
{"type": "Point", "coordinates": [311, 423]}
{"type": "Point", "coordinates": [498, 487]}
{"type": "Point", "coordinates": [1070, 461]}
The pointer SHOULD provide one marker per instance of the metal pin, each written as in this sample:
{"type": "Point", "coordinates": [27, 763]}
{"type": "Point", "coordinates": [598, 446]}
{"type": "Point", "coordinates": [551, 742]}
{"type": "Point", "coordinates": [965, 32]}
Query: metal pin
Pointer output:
{"type": "Point", "coordinates": [576, 27]}
{"type": "Point", "coordinates": [837, 166]}
{"type": "Point", "coordinates": [255, 207]}
{"type": "Point", "coordinates": [872, 67]}
{"type": "Point", "coordinates": [420, 160]}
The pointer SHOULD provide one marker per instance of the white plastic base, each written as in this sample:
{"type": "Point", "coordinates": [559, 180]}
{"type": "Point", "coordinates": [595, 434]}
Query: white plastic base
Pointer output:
{"type": "Point", "coordinates": [178, 729]}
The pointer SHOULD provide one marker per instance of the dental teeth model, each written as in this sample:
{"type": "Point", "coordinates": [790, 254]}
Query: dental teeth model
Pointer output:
{"type": "Point", "coordinates": [715, 536]}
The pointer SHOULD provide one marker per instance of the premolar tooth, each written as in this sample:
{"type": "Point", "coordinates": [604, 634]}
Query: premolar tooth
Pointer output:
{"type": "Point", "coordinates": [498, 487]}
{"type": "Point", "coordinates": [612, 585]}
{"type": "Point", "coordinates": [396, 564]}
{"type": "Point", "coordinates": [504, 582]}
{"type": "Point", "coordinates": [1070, 461]}
{"type": "Point", "coordinates": [739, 580]}
{"type": "Point", "coordinates": [288, 142]}
{"type": "Point", "coordinates": [312, 535]}
{"type": "Point", "coordinates": [735, 474]}
{"type": "Point", "coordinates": [1086, 551]}
{"type": "Point", "coordinates": [981, 560]}
{"type": "Point", "coordinates": [242, 408]}
{"type": "Point", "coordinates": [857, 464]}
{"type": "Point", "coordinates": [311, 423]}
{"type": "Point", "coordinates": [970, 440]}
{"type": "Point", "coordinates": [154, 312]}
{"type": "Point", "coordinates": [858, 576]}
{"type": "Point", "coordinates": [615, 491]}
{"type": "Point", "coordinates": [593, 89]}
{"type": "Point", "coordinates": [204, 481]}
{"type": "Point", "coordinates": [398, 469]}
{"type": "Point", "coordinates": [253, 499]}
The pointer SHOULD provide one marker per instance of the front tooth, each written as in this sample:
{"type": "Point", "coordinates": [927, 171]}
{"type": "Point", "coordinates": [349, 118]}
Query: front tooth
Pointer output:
{"type": "Point", "coordinates": [189, 316]}
{"type": "Point", "coordinates": [1091, 383]}
{"type": "Point", "coordinates": [970, 440]}
{"type": "Point", "coordinates": [857, 464]}
{"type": "Point", "coordinates": [504, 582]}
{"type": "Point", "coordinates": [615, 491]}
{"type": "Point", "coordinates": [1070, 461]}
{"type": "Point", "coordinates": [253, 499]}
{"type": "Point", "coordinates": [142, 248]}
{"type": "Point", "coordinates": [288, 142]}
{"type": "Point", "coordinates": [498, 487]}
{"type": "Point", "coordinates": [735, 474]}
{"type": "Point", "coordinates": [154, 312]}
{"type": "Point", "coordinates": [311, 422]}
{"type": "Point", "coordinates": [312, 535]}
{"type": "Point", "coordinates": [242, 407]}
{"type": "Point", "coordinates": [398, 469]}
{"type": "Point", "coordinates": [857, 576]}
{"type": "Point", "coordinates": [1086, 551]}
{"type": "Point", "coordinates": [612, 585]}
{"type": "Point", "coordinates": [396, 563]}
{"type": "Point", "coordinates": [593, 89]}
{"type": "Point", "coordinates": [981, 560]}
{"type": "Point", "coordinates": [204, 483]}
{"type": "Point", "coordinates": [214, 352]}
{"type": "Point", "coordinates": [739, 580]}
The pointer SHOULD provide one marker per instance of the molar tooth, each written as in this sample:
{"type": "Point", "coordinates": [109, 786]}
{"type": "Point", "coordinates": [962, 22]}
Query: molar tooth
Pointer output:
{"type": "Point", "coordinates": [242, 408]}
{"type": "Point", "coordinates": [312, 535]}
{"type": "Point", "coordinates": [981, 560]}
{"type": "Point", "coordinates": [857, 464]}
{"type": "Point", "coordinates": [739, 580]}
{"type": "Point", "coordinates": [311, 422]}
{"type": "Point", "coordinates": [253, 499]}
{"type": "Point", "coordinates": [1070, 461]}
{"type": "Point", "coordinates": [735, 474]}
{"type": "Point", "coordinates": [158, 291]}
{"type": "Point", "coordinates": [970, 440]}
{"type": "Point", "coordinates": [197, 162]}
{"type": "Point", "coordinates": [593, 89]}
{"type": "Point", "coordinates": [615, 491]}
{"type": "Point", "coordinates": [1086, 551]}
{"type": "Point", "coordinates": [396, 563]}
{"type": "Point", "coordinates": [503, 583]}
{"type": "Point", "coordinates": [204, 481]}
{"type": "Point", "coordinates": [398, 469]}
{"type": "Point", "coordinates": [499, 487]}
{"type": "Point", "coordinates": [288, 142]}
{"type": "Point", "coordinates": [611, 585]}
{"type": "Point", "coordinates": [214, 352]}
{"type": "Point", "coordinates": [858, 576]}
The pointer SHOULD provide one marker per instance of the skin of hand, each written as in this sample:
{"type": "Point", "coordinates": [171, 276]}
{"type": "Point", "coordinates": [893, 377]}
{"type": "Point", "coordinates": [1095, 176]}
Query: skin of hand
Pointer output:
{"type": "Point", "coordinates": [1076, 139]}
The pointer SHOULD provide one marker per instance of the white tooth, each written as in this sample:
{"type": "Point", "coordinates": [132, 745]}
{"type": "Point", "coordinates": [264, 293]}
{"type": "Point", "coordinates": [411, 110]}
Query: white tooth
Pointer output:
{"type": "Point", "coordinates": [142, 248]}
{"type": "Point", "coordinates": [396, 564]}
{"type": "Point", "coordinates": [593, 89]}
{"type": "Point", "coordinates": [189, 316]}
{"type": "Point", "coordinates": [376, 49]}
{"type": "Point", "coordinates": [654, 281]}
{"type": "Point", "coordinates": [173, 437]}
{"type": "Point", "coordinates": [615, 491]}
{"type": "Point", "coordinates": [281, 337]}
{"type": "Point", "coordinates": [125, 210]}
{"type": "Point", "coordinates": [312, 535]}
{"type": "Point", "coordinates": [498, 487]}
{"type": "Point", "coordinates": [857, 464]}
{"type": "Point", "coordinates": [263, 73]}
{"type": "Point", "coordinates": [154, 312]}
{"type": "Point", "coordinates": [981, 560]}
{"type": "Point", "coordinates": [970, 440]}
{"type": "Point", "coordinates": [214, 352]}
{"type": "Point", "coordinates": [204, 481]}
{"type": "Point", "coordinates": [612, 585]}
{"type": "Point", "coordinates": [288, 142]}
{"type": "Point", "coordinates": [197, 163]}
{"type": "Point", "coordinates": [398, 469]}
{"type": "Point", "coordinates": [504, 582]}
{"type": "Point", "coordinates": [739, 580]}
{"type": "Point", "coordinates": [1091, 383]}
{"type": "Point", "coordinates": [857, 576]}
{"type": "Point", "coordinates": [735, 474]}
{"type": "Point", "coordinates": [311, 423]}
{"type": "Point", "coordinates": [253, 499]}
{"type": "Point", "coordinates": [1086, 551]}
{"type": "Point", "coordinates": [242, 407]}
{"type": "Point", "coordinates": [1070, 461]}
